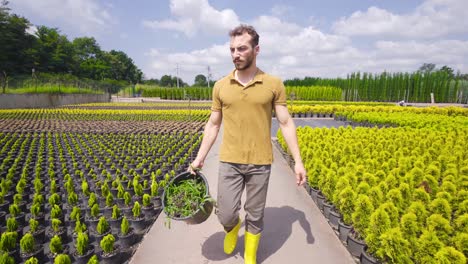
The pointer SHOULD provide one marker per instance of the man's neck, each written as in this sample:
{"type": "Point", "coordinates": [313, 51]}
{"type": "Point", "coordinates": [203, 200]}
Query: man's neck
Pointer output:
{"type": "Point", "coordinates": [247, 75]}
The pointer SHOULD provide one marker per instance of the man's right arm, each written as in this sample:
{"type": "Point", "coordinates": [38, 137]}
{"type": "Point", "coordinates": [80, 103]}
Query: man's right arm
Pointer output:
{"type": "Point", "coordinates": [209, 136]}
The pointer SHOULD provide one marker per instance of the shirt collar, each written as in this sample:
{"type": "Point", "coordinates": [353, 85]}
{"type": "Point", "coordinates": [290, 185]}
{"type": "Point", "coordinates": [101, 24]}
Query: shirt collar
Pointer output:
{"type": "Point", "coordinates": [257, 78]}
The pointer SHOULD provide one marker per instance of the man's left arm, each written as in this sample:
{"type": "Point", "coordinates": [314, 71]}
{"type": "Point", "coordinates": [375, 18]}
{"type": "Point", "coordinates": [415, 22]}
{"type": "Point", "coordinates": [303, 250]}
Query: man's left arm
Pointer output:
{"type": "Point", "coordinates": [288, 128]}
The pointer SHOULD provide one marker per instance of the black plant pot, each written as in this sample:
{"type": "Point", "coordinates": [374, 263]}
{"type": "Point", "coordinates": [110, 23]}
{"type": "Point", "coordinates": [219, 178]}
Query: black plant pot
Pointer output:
{"type": "Point", "coordinates": [343, 230]}
{"type": "Point", "coordinates": [38, 254]}
{"type": "Point", "coordinates": [313, 194]}
{"type": "Point", "coordinates": [367, 258]}
{"type": "Point", "coordinates": [327, 207]}
{"type": "Point", "coordinates": [110, 258]}
{"type": "Point", "coordinates": [151, 211]}
{"type": "Point", "coordinates": [15, 254]}
{"type": "Point", "coordinates": [62, 233]}
{"type": "Point", "coordinates": [355, 246]}
{"type": "Point", "coordinates": [115, 223]}
{"type": "Point", "coordinates": [320, 200]}
{"type": "Point", "coordinates": [83, 259]}
{"type": "Point", "coordinates": [39, 235]}
{"type": "Point", "coordinates": [138, 224]}
{"type": "Point", "coordinates": [334, 219]}
{"type": "Point", "coordinates": [128, 240]}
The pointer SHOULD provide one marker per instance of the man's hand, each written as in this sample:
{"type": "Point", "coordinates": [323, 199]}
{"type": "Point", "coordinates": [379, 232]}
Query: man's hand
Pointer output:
{"type": "Point", "coordinates": [300, 173]}
{"type": "Point", "coordinates": [195, 165]}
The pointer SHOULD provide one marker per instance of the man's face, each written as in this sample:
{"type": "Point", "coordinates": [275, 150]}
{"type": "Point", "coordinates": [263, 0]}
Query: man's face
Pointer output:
{"type": "Point", "coordinates": [242, 52]}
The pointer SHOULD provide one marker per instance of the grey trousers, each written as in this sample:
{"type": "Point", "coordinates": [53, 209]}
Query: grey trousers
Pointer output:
{"type": "Point", "coordinates": [233, 178]}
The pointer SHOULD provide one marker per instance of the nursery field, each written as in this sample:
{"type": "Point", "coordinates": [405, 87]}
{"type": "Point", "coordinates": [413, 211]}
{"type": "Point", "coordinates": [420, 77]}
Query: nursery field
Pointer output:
{"type": "Point", "coordinates": [84, 182]}
{"type": "Point", "coordinates": [393, 184]}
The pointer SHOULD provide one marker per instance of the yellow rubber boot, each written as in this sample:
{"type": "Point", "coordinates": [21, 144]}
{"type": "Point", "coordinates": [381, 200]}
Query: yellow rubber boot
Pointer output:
{"type": "Point", "coordinates": [251, 246]}
{"type": "Point", "coordinates": [230, 240]}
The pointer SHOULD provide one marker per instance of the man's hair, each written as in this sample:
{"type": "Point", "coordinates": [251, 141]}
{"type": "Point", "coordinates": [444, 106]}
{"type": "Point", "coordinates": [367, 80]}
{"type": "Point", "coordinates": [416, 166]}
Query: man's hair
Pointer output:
{"type": "Point", "coordinates": [241, 29]}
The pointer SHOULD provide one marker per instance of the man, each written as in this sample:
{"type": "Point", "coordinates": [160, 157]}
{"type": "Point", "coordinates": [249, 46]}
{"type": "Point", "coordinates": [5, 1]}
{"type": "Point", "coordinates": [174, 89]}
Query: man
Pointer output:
{"type": "Point", "coordinates": [244, 100]}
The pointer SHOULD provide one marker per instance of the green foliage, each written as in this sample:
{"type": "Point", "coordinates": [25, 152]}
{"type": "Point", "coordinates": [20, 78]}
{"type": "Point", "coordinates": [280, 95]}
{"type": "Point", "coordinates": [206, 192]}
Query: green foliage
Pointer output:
{"type": "Point", "coordinates": [79, 227]}
{"type": "Point", "coordinates": [14, 210]}
{"type": "Point", "coordinates": [379, 223]}
{"type": "Point", "coordinates": [93, 260]}
{"type": "Point", "coordinates": [146, 200]}
{"type": "Point", "coordinates": [461, 223]}
{"type": "Point", "coordinates": [124, 226]}
{"type": "Point", "coordinates": [116, 212]}
{"type": "Point", "coordinates": [440, 226]}
{"type": "Point", "coordinates": [346, 203]}
{"type": "Point", "coordinates": [441, 206]}
{"type": "Point", "coordinates": [396, 249]}
{"type": "Point", "coordinates": [449, 255]}
{"type": "Point", "coordinates": [420, 194]}
{"type": "Point", "coordinates": [154, 188]}
{"type": "Point", "coordinates": [54, 199]}
{"type": "Point", "coordinates": [392, 212]}
{"type": "Point", "coordinates": [136, 209]}
{"type": "Point", "coordinates": [410, 227]}
{"type": "Point", "coordinates": [62, 259]}
{"type": "Point", "coordinates": [31, 260]}
{"type": "Point", "coordinates": [102, 226]}
{"type": "Point", "coordinates": [109, 200]}
{"type": "Point", "coordinates": [394, 196]}
{"type": "Point", "coordinates": [56, 211]}
{"type": "Point", "coordinates": [82, 243]}
{"type": "Point", "coordinates": [12, 224]}
{"type": "Point", "coordinates": [460, 241]}
{"type": "Point", "coordinates": [72, 198]}
{"type": "Point", "coordinates": [419, 209]}
{"type": "Point", "coordinates": [107, 243]}
{"type": "Point", "coordinates": [127, 198]}
{"type": "Point", "coordinates": [33, 225]}
{"type": "Point", "coordinates": [6, 259]}
{"type": "Point", "coordinates": [55, 245]}
{"type": "Point", "coordinates": [361, 215]}
{"type": "Point", "coordinates": [27, 243]}
{"type": "Point", "coordinates": [95, 210]}
{"type": "Point", "coordinates": [75, 214]}
{"type": "Point", "coordinates": [92, 200]}
{"type": "Point", "coordinates": [56, 224]}
{"type": "Point", "coordinates": [8, 241]}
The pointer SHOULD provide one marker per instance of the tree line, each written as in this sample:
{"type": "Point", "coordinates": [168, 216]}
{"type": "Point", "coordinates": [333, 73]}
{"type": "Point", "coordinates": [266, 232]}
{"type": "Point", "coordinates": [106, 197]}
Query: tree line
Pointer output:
{"type": "Point", "coordinates": [46, 50]}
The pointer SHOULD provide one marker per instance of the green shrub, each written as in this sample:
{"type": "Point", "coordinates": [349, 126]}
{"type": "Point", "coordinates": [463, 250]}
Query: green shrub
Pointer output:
{"type": "Point", "coordinates": [379, 223]}
{"type": "Point", "coordinates": [8, 241]}
{"type": "Point", "coordinates": [127, 198]}
{"type": "Point", "coordinates": [427, 246]}
{"type": "Point", "coordinates": [396, 247]}
{"type": "Point", "coordinates": [79, 227]}
{"type": "Point", "coordinates": [109, 200]}
{"type": "Point", "coordinates": [124, 226]}
{"type": "Point", "coordinates": [62, 259]}
{"type": "Point", "coordinates": [102, 226]}
{"type": "Point", "coordinates": [27, 243]}
{"type": "Point", "coordinates": [441, 206]}
{"type": "Point", "coordinates": [55, 212]}
{"type": "Point", "coordinates": [449, 255]}
{"type": "Point", "coordinates": [346, 204]}
{"type": "Point", "coordinates": [75, 215]}
{"type": "Point", "coordinates": [82, 243]}
{"type": "Point", "coordinates": [95, 210]}
{"type": "Point", "coordinates": [146, 200]}
{"type": "Point", "coordinates": [136, 209]}
{"type": "Point", "coordinates": [93, 260]}
{"type": "Point", "coordinates": [56, 224]}
{"type": "Point", "coordinates": [362, 213]}
{"type": "Point", "coordinates": [12, 224]}
{"type": "Point", "coordinates": [107, 243]}
{"type": "Point", "coordinates": [14, 210]}
{"type": "Point", "coordinates": [54, 199]}
{"type": "Point", "coordinates": [440, 226]}
{"type": "Point", "coordinates": [116, 214]}
{"type": "Point", "coordinates": [6, 259]}
{"type": "Point", "coordinates": [31, 260]}
{"type": "Point", "coordinates": [33, 225]}
{"type": "Point", "coordinates": [460, 241]}
{"type": "Point", "coordinates": [55, 245]}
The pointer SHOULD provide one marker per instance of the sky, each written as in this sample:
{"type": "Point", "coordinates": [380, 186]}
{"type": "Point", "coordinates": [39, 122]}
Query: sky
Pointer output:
{"type": "Point", "coordinates": [297, 38]}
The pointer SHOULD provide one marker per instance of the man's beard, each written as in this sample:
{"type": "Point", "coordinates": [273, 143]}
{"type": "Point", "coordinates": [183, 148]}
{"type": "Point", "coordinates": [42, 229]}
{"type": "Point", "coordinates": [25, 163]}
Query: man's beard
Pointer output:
{"type": "Point", "coordinates": [244, 65]}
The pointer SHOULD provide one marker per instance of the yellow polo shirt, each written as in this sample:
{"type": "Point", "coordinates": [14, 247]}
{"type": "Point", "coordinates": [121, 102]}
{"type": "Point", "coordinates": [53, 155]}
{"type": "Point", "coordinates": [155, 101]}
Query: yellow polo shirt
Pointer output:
{"type": "Point", "coordinates": [247, 113]}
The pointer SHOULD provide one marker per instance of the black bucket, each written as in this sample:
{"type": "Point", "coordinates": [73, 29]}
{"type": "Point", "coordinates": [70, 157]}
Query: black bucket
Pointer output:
{"type": "Point", "coordinates": [199, 216]}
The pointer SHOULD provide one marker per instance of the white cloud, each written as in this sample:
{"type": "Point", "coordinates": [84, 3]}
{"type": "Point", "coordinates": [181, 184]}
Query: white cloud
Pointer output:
{"type": "Point", "coordinates": [193, 16]}
{"type": "Point", "coordinates": [84, 15]}
{"type": "Point", "coordinates": [281, 10]}
{"type": "Point", "coordinates": [433, 18]}
{"type": "Point", "coordinates": [289, 50]}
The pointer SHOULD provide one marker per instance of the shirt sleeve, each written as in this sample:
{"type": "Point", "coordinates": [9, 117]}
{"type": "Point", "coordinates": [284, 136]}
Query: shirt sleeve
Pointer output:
{"type": "Point", "coordinates": [280, 95]}
{"type": "Point", "coordinates": [216, 105]}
